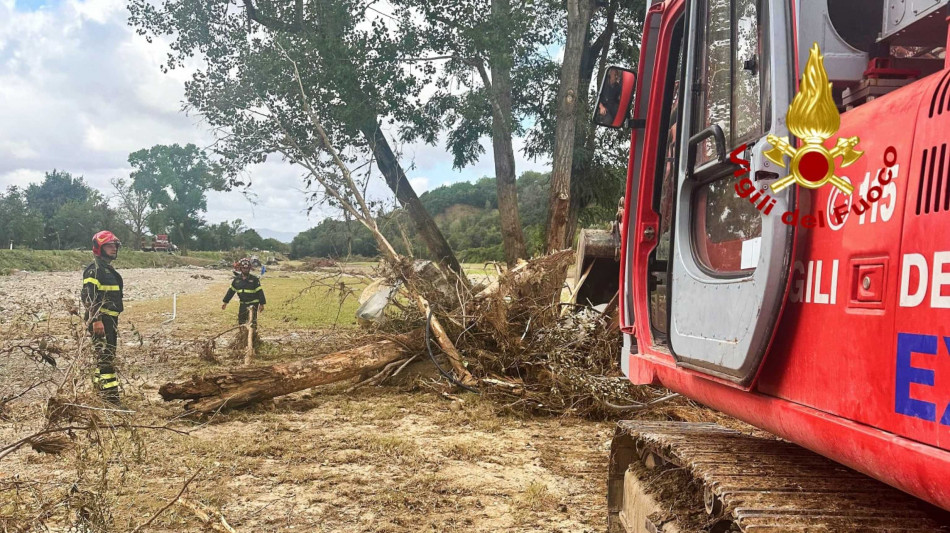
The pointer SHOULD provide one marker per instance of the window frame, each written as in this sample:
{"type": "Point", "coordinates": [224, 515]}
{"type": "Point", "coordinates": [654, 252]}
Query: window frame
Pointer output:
{"type": "Point", "coordinates": [698, 209]}
{"type": "Point", "coordinates": [680, 35]}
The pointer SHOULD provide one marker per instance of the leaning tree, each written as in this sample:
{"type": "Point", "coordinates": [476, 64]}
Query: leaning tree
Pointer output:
{"type": "Point", "coordinates": [349, 63]}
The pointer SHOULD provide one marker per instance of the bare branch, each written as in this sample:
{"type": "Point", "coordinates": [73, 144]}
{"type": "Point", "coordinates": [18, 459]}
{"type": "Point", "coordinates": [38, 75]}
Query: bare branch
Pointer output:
{"type": "Point", "coordinates": [172, 502]}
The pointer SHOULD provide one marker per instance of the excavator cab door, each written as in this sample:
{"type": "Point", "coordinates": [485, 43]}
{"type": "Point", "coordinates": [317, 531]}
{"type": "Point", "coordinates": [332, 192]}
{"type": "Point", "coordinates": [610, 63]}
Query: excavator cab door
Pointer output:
{"type": "Point", "coordinates": [731, 250]}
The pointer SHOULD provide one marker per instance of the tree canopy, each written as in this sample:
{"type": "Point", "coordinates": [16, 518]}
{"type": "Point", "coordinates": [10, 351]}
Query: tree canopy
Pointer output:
{"type": "Point", "coordinates": [176, 178]}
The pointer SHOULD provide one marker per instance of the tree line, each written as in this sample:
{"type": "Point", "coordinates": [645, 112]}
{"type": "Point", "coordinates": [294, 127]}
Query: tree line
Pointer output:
{"type": "Point", "coordinates": [465, 212]}
{"type": "Point", "coordinates": [164, 194]}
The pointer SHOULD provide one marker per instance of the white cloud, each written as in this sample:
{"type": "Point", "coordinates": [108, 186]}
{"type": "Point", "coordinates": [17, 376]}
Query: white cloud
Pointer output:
{"type": "Point", "coordinates": [20, 177]}
{"type": "Point", "coordinates": [16, 149]}
{"type": "Point", "coordinates": [420, 184]}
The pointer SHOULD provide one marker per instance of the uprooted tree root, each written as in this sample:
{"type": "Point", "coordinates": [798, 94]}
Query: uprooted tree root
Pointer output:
{"type": "Point", "coordinates": [535, 354]}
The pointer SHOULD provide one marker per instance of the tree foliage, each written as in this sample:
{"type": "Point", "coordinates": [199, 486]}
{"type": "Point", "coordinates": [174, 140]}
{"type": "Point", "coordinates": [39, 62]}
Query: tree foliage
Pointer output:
{"type": "Point", "coordinates": [274, 74]}
{"type": "Point", "coordinates": [334, 238]}
{"type": "Point", "coordinates": [67, 206]}
{"type": "Point", "coordinates": [78, 212]}
{"type": "Point", "coordinates": [19, 224]}
{"type": "Point", "coordinates": [467, 213]}
{"type": "Point", "coordinates": [175, 178]}
{"type": "Point", "coordinates": [482, 90]}
{"type": "Point", "coordinates": [68, 210]}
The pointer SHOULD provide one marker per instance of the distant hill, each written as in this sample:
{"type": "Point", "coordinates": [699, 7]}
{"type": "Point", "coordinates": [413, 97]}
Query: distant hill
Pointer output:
{"type": "Point", "coordinates": [282, 236]}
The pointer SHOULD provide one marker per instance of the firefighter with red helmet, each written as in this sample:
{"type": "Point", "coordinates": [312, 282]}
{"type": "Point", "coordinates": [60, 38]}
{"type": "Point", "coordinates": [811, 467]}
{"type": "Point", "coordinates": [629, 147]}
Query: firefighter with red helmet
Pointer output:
{"type": "Point", "coordinates": [102, 298]}
{"type": "Point", "coordinates": [250, 293]}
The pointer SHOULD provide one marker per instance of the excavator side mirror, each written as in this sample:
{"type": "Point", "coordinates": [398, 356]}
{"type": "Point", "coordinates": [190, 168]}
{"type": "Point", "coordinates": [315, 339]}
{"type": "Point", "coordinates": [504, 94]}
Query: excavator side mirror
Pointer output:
{"type": "Point", "coordinates": [615, 97]}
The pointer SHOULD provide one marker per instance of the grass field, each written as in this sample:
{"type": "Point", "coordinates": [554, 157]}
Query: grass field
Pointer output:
{"type": "Point", "coordinates": [294, 302]}
{"type": "Point", "coordinates": [64, 260]}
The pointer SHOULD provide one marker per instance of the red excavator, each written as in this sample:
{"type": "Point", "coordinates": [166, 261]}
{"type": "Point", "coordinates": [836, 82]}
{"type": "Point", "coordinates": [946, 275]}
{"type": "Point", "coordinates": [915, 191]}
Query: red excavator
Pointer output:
{"type": "Point", "coordinates": [820, 311]}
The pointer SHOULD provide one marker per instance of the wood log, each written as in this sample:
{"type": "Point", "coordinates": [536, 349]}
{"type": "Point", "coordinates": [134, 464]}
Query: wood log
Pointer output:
{"type": "Point", "coordinates": [245, 386]}
{"type": "Point", "coordinates": [596, 244]}
{"type": "Point", "coordinates": [249, 349]}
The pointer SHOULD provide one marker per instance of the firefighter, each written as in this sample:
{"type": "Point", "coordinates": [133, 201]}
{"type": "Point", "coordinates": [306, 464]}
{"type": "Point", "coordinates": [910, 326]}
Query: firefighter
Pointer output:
{"type": "Point", "coordinates": [250, 294]}
{"type": "Point", "coordinates": [102, 298]}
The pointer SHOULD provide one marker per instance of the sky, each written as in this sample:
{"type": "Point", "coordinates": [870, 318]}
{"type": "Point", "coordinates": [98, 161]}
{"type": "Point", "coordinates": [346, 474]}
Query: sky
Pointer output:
{"type": "Point", "coordinates": [80, 91]}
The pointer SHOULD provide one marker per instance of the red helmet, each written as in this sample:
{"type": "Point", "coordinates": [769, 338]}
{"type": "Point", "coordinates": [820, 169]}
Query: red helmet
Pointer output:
{"type": "Point", "coordinates": [242, 264]}
{"type": "Point", "coordinates": [103, 237]}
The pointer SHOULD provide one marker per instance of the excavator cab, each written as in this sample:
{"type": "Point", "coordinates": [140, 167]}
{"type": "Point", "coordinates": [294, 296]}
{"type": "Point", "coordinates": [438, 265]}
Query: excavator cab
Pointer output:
{"type": "Point", "coordinates": [801, 310]}
{"type": "Point", "coordinates": [704, 271]}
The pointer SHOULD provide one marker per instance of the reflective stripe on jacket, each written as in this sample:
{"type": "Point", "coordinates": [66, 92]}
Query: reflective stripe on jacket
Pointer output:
{"type": "Point", "coordinates": [101, 289]}
{"type": "Point", "coordinates": [248, 289]}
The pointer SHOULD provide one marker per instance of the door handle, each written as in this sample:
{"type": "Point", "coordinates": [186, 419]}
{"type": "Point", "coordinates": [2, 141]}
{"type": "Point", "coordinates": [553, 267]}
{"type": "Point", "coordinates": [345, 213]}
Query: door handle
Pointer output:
{"type": "Point", "coordinates": [714, 169]}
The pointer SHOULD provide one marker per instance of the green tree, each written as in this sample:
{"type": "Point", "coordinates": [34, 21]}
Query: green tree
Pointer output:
{"type": "Point", "coordinates": [276, 246]}
{"type": "Point", "coordinates": [334, 238]}
{"type": "Point", "coordinates": [75, 222]}
{"type": "Point", "coordinates": [599, 156]}
{"type": "Point", "coordinates": [249, 239]}
{"type": "Point", "coordinates": [220, 236]}
{"type": "Point", "coordinates": [18, 223]}
{"type": "Point", "coordinates": [132, 208]}
{"type": "Point", "coordinates": [176, 178]}
{"type": "Point", "coordinates": [480, 194]}
{"type": "Point", "coordinates": [47, 197]}
{"type": "Point", "coordinates": [494, 43]}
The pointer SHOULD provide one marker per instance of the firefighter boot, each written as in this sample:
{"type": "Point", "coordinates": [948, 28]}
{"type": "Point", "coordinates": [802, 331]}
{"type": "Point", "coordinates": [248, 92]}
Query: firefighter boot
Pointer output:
{"type": "Point", "coordinates": [107, 384]}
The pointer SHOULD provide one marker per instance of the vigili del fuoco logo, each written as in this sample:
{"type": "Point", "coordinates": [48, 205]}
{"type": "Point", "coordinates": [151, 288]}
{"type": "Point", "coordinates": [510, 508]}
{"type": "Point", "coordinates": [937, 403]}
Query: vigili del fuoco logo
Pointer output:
{"type": "Point", "coordinates": [813, 118]}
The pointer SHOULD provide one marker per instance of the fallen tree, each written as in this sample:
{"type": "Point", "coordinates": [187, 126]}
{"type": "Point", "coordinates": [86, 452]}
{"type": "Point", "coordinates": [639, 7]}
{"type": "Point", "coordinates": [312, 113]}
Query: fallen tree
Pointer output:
{"type": "Point", "coordinates": [507, 339]}
{"type": "Point", "coordinates": [249, 385]}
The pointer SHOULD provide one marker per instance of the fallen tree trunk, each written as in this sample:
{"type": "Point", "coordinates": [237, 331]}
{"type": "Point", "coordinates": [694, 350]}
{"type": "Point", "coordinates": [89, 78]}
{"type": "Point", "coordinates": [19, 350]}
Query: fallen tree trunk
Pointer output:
{"type": "Point", "coordinates": [245, 386]}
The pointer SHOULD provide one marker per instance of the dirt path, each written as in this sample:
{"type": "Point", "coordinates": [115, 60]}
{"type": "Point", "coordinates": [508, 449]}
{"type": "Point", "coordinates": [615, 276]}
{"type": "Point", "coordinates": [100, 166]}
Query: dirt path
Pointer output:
{"type": "Point", "coordinates": [379, 459]}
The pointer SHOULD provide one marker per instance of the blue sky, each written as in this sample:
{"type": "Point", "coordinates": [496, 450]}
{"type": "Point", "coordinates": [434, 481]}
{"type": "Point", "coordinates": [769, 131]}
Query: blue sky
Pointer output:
{"type": "Point", "coordinates": [32, 5]}
{"type": "Point", "coordinates": [79, 91]}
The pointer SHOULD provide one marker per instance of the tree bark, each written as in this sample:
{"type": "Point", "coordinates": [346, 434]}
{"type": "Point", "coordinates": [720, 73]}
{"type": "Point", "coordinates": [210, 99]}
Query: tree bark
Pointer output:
{"type": "Point", "coordinates": [396, 179]}
{"type": "Point", "coordinates": [505, 179]}
{"type": "Point", "coordinates": [594, 55]}
{"type": "Point", "coordinates": [578, 21]}
{"type": "Point", "coordinates": [246, 386]}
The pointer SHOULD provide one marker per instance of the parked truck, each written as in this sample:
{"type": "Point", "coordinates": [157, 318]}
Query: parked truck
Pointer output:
{"type": "Point", "coordinates": [159, 243]}
{"type": "Point", "coordinates": [818, 314]}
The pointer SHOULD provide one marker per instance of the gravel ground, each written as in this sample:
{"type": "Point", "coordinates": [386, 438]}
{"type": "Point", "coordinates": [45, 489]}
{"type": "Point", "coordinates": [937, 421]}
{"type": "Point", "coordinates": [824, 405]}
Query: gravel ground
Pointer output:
{"type": "Point", "coordinates": [28, 291]}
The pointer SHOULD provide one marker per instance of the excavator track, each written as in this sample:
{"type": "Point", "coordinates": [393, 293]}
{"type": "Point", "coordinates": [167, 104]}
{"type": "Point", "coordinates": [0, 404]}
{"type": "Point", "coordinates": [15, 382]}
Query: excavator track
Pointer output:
{"type": "Point", "coordinates": [758, 485]}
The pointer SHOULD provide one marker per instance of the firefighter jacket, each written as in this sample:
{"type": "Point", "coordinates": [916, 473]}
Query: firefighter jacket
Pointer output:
{"type": "Point", "coordinates": [248, 289]}
{"type": "Point", "coordinates": [101, 290]}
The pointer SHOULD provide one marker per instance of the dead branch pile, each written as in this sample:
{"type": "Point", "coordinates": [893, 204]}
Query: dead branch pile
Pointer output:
{"type": "Point", "coordinates": [536, 353]}
{"type": "Point", "coordinates": [46, 395]}
{"type": "Point", "coordinates": [512, 339]}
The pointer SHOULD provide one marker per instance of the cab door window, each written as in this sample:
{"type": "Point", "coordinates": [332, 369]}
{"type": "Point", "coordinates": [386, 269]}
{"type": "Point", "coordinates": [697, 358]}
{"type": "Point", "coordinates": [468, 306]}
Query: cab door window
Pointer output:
{"type": "Point", "coordinates": [732, 76]}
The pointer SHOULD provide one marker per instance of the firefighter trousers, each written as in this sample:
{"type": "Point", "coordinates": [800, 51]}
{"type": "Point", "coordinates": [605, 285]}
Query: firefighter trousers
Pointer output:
{"type": "Point", "coordinates": [247, 312]}
{"type": "Point", "coordinates": [106, 379]}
